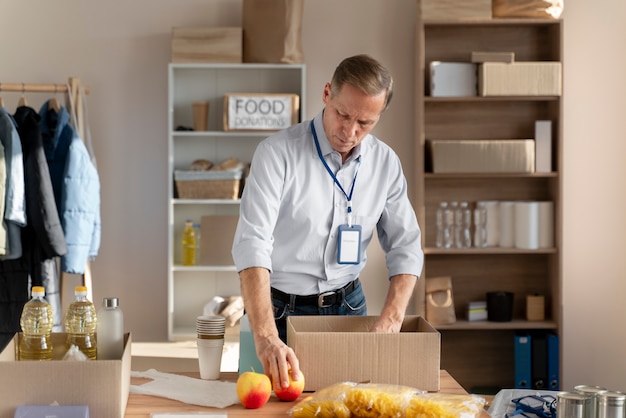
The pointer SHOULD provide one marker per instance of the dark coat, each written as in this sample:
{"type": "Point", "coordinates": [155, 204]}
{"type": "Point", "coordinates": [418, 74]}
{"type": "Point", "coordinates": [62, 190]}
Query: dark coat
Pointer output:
{"type": "Point", "coordinates": [42, 237]}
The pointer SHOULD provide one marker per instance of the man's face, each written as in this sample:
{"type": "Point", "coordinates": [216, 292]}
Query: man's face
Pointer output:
{"type": "Point", "coordinates": [349, 116]}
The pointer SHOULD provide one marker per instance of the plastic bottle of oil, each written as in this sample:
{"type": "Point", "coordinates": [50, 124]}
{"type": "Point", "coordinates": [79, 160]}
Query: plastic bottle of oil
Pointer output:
{"type": "Point", "coordinates": [189, 249]}
{"type": "Point", "coordinates": [80, 323]}
{"type": "Point", "coordinates": [36, 322]}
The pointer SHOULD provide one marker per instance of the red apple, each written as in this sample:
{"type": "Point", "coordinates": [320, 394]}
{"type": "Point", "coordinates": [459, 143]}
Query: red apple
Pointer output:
{"type": "Point", "coordinates": [253, 389]}
{"type": "Point", "coordinates": [293, 391]}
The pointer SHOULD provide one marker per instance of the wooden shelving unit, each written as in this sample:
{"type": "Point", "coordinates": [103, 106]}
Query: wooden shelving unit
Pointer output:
{"type": "Point", "coordinates": [481, 354]}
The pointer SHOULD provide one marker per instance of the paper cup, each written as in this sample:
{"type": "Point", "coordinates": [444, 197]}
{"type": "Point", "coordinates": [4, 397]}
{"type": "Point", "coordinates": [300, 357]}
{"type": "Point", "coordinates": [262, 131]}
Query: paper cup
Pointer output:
{"type": "Point", "coordinates": [210, 358]}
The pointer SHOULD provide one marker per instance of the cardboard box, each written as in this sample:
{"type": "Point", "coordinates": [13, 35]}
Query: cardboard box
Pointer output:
{"type": "Point", "coordinates": [456, 9]}
{"type": "Point", "coordinates": [333, 349]}
{"type": "Point", "coordinates": [260, 111]}
{"type": "Point", "coordinates": [200, 44]}
{"type": "Point", "coordinates": [519, 79]}
{"type": "Point", "coordinates": [216, 239]}
{"type": "Point", "coordinates": [481, 155]}
{"type": "Point", "coordinates": [450, 79]}
{"type": "Point", "coordinates": [102, 385]}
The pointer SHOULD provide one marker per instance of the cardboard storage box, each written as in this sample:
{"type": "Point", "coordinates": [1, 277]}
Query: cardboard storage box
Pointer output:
{"type": "Point", "coordinates": [481, 155]}
{"type": "Point", "coordinates": [199, 44]}
{"type": "Point", "coordinates": [333, 349]}
{"type": "Point", "coordinates": [456, 9]}
{"type": "Point", "coordinates": [102, 385]}
{"type": "Point", "coordinates": [519, 79]}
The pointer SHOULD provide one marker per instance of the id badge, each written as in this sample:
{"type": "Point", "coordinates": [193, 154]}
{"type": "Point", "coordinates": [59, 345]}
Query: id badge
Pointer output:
{"type": "Point", "coordinates": [349, 244]}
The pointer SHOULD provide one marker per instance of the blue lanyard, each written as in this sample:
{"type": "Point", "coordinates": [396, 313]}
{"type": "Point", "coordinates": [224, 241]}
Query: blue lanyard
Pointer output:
{"type": "Point", "coordinates": [348, 196]}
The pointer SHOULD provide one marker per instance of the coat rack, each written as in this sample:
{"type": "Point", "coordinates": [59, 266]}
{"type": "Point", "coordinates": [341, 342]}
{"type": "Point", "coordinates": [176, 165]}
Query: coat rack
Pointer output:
{"type": "Point", "coordinates": [73, 88]}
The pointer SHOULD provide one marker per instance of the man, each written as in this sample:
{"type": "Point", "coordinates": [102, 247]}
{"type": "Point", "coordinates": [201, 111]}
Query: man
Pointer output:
{"type": "Point", "coordinates": [315, 194]}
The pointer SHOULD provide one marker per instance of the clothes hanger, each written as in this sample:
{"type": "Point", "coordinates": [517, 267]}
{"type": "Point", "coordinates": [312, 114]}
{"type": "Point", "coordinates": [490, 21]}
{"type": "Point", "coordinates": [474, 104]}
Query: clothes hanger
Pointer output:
{"type": "Point", "coordinates": [22, 101]}
{"type": "Point", "coordinates": [53, 104]}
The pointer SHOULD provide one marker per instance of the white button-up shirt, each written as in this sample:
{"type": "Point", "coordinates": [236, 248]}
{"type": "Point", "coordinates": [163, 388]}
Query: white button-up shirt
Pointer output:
{"type": "Point", "coordinates": [291, 210]}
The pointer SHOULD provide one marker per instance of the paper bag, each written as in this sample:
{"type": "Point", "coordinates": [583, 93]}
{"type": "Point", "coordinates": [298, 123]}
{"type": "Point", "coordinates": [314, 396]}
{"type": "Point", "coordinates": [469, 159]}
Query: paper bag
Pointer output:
{"type": "Point", "coordinates": [439, 303]}
{"type": "Point", "coordinates": [272, 31]}
{"type": "Point", "coordinates": [548, 9]}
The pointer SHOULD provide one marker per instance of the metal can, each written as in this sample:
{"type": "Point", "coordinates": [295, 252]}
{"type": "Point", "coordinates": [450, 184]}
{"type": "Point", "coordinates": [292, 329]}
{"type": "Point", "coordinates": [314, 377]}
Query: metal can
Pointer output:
{"type": "Point", "coordinates": [611, 404]}
{"type": "Point", "coordinates": [574, 405]}
{"type": "Point", "coordinates": [593, 391]}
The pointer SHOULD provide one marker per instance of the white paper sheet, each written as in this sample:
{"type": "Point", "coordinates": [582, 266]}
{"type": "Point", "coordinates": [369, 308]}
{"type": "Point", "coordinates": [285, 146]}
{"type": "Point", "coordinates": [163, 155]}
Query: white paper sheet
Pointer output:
{"type": "Point", "coordinates": [213, 393]}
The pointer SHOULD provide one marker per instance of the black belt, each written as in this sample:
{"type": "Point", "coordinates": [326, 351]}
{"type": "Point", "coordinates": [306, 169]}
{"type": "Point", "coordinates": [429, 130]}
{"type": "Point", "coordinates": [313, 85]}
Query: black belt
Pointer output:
{"type": "Point", "coordinates": [322, 300]}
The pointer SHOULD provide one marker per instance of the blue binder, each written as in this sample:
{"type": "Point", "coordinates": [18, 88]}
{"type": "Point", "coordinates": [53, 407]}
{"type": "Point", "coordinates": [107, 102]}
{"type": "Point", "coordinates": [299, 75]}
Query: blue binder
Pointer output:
{"type": "Point", "coordinates": [522, 361]}
{"type": "Point", "coordinates": [553, 362]}
{"type": "Point", "coordinates": [539, 361]}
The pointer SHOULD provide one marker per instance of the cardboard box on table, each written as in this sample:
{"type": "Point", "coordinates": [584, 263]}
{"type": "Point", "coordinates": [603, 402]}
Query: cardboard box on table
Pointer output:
{"type": "Point", "coordinates": [102, 385]}
{"type": "Point", "coordinates": [334, 349]}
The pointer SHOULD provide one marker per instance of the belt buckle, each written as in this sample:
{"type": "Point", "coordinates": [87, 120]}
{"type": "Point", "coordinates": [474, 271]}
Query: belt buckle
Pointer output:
{"type": "Point", "coordinates": [320, 299]}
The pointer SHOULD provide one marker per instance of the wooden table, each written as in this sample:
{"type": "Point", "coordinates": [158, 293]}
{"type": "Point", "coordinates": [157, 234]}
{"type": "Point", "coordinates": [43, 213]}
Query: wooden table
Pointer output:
{"type": "Point", "coordinates": [143, 405]}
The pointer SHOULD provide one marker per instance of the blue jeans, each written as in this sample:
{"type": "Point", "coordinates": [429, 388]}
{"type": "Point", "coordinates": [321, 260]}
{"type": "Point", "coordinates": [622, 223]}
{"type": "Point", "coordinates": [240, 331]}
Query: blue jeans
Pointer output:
{"type": "Point", "coordinates": [352, 304]}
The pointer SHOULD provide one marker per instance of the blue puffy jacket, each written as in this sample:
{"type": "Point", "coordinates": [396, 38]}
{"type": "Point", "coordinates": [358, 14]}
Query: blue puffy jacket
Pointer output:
{"type": "Point", "coordinates": [76, 188]}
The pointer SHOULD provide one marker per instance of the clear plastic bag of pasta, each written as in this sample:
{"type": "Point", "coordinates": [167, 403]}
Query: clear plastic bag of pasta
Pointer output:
{"type": "Point", "coordinates": [347, 399]}
{"type": "Point", "coordinates": [444, 405]}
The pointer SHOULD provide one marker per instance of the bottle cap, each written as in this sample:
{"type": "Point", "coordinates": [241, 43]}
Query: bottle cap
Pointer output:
{"type": "Point", "coordinates": [80, 290]}
{"type": "Point", "coordinates": [110, 302]}
{"type": "Point", "coordinates": [38, 291]}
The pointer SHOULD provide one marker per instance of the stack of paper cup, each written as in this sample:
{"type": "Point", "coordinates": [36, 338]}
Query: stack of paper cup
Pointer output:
{"type": "Point", "coordinates": [210, 330]}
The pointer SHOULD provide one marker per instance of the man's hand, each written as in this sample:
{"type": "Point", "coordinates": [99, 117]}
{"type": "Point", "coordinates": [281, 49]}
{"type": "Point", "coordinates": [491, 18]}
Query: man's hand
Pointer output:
{"type": "Point", "coordinates": [278, 359]}
{"type": "Point", "coordinates": [275, 356]}
{"type": "Point", "coordinates": [400, 291]}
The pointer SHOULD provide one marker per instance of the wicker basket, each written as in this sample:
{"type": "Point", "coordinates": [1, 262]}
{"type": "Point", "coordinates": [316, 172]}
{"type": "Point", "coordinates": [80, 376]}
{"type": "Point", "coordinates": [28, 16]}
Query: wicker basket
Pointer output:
{"type": "Point", "coordinates": [207, 184]}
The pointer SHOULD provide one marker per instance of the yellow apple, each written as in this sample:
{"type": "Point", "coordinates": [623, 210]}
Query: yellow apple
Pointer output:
{"type": "Point", "coordinates": [253, 389]}
{"type": "Point", "coordinates": [293, 391]}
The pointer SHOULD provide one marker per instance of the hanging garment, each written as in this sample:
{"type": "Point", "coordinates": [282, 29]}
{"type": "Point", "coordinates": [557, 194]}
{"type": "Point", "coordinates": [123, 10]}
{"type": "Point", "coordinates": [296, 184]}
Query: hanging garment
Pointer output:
{"type": "Point", "coordinates": [3, 179]}
{"type": "Point", "coordinates": [44, 230]}
{"type": "Point", "coordinates": [15, 203]}
{"type": "Point", "coordinates": [76, 188]}
{"type": "Point", "coordinates": [42, 237]}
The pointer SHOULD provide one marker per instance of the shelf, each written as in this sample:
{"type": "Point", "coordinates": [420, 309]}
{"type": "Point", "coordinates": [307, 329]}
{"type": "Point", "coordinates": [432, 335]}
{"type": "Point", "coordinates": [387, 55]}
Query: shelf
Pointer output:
{"type": "Point", "coordinates": [474, 99]}
{"type": "Point", "coordinates": [491, 22]}
{"type": "Point", "coordinates": [436, 176]}
{"type": "Point", "coordinates": [178, 267]}
{"type": "Point", "coordinates": [464, 325]}
{"type": "Point", "coordinates": [486, 251]}
{"type": "Point", "coordinates": [206, 201]}
{"type": "Point", "coordinates": [224, 134]}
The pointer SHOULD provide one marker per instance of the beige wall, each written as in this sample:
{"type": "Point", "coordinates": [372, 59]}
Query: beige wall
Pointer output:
{"type": "Point", "coordinates": [121, 50]}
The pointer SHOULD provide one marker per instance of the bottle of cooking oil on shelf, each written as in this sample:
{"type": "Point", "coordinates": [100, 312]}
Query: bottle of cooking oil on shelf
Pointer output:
{"type": "Point", "coordinates": [80, 323]}
{"type": "Point", "coordinates": [36, 322]}
{"type": "Point", "coordinates": [189, 249]}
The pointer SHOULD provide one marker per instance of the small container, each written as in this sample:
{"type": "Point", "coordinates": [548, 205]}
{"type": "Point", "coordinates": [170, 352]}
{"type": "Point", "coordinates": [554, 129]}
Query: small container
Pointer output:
{"type": "Point", "coordinates": [610, 404]}
{"type": "Point", "coordinates": [592, 391]}
{"type": "Point", "coordinates": [574, 405]}
{"type": "Point", "coordinates": [110, 330]}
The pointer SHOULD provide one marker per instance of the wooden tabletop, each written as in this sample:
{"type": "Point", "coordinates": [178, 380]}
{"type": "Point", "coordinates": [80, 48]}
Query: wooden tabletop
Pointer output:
{"type": "Point", "coordinates": [141, 406]}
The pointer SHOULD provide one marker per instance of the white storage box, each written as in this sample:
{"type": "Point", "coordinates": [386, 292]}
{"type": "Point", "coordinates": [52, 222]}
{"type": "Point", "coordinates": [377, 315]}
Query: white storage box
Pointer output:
{"type": "Point", "coordinates": [449, 79]}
